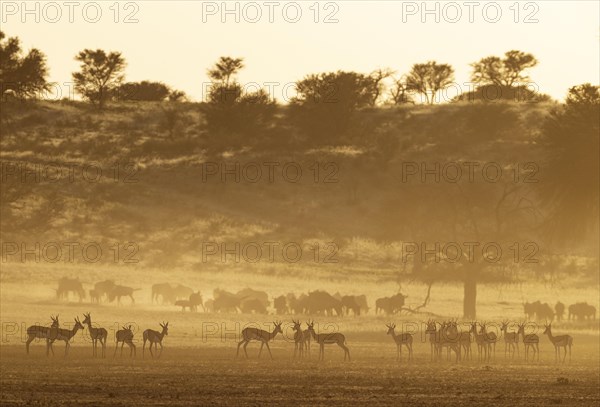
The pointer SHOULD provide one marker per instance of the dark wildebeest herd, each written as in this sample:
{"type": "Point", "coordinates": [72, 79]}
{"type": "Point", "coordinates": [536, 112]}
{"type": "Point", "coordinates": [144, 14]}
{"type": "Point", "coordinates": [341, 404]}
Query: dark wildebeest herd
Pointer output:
{"type": "Point", "coordinates": [580, 311]}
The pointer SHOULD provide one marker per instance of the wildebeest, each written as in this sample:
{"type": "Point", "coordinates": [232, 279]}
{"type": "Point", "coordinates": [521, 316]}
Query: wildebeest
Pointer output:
{"type": "Point", "coordinates": [349, 303]}
{"type": "Point", "coordinates": [94, 297]}
{"type": "Point", "coordinates": [181, 291]}
{"type": "Point", "coordinates": [545, 312]}
{"type": "Point", "coordinates": [582, 310]}
{"type": "Point", "coordinates": [102, 288]}
{"type": "Point", "coordinates": [183, 304]}
{"type": "Point", "coordinates": [119, 291]}
{"type": "Point", "coordinates": [195, 300]}
{"type": "Point", "coordinates": [321, 302]}
{"type": "Point", "coordinates": [539, 311]}
{"type": "Point", "coordinates": [390, 305]}
{"type": "Point", "coordinates": [248, 293]}
{"type": "Point", "coordinates": [69, 285]}
{"type": "Point", "coordinates": [252, 305]}
{"type": "Point", "coordinates": [362, 303]}
{"type": "Point", "coordinates": [297, 305]}
{"type": "Point", "coordinates": [529, 309]}
{"type": "Point", "coordinates": [225, 301]}
{"type": "Point", "coordinates": [163, 290]}
{"type": "Point", "coordinates": [280, 305]}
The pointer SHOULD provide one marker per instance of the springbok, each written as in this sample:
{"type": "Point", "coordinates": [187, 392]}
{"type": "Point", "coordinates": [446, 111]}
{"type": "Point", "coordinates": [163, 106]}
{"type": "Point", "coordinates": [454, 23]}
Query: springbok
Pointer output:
{"type": "Point", "coordinates": [405, 339]}
{"type": "Point", "coordinates": [455, 341]}
{"type": "Point", "coordinates": [307, 337]}
{"type": "Point", "coordinates": [480, 341]}
{"type": "Point", "coordinates": [530, 340]}
{"type": "Point", "coordinates": [449, 338]}
{"type": "Point", "coordinates": [43, 332]}
{"type": "Point", "coordinates": [511, 340]}
{"type": "Point", "coordinates": [489, 340]}
{"type": "Point", "coordinates": [444, 338]}
{"type": "Point", "coordinates": [66, 335]}
{"type": "Point", "coordinates": [255, 334]}
{"type": "Point", "coordinates": [125, 336]}
{"type": "Point", "coordinates": [155, 338]}
{"type": "Point", "coordinates": [431, 331]}
{"type": "Point", "coordinates": [561, 341]}
{"type": "Point", "coordinates": [97, 334]}
{"type": "Point", "coordinates": [464, 340]}
{"type": "Point", "coordinates": [330, 338]}
{"type": "Point", "coordinates": [299, 339]}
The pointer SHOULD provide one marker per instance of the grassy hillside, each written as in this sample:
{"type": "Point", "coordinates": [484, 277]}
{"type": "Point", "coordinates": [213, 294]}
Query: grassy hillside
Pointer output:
{"type": "Point", "coordinates": [151, 191]}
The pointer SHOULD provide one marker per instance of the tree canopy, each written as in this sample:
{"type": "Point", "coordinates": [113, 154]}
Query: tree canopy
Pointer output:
{"type": "Point", "coordinates": [507, 71]}
{"type": "Point", "coordinates": [23, 74]}
{"type": "Point", "coordinates": [100, 74]}
{"type": "Point", "coordinates": [429, 78]}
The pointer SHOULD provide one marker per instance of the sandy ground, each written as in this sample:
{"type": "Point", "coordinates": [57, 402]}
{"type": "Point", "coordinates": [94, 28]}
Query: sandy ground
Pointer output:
{"type": "Point", "coordinates": [209, 374]}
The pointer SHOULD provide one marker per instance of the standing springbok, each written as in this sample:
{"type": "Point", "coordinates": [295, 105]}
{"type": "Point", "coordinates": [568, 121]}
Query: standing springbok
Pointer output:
{"type": "Point", "coordinates": [489, 340]}
{"type": "Point", "coordinates": [529, 340]}
{"type": "Point", "coordinates": [125, 336]}
{"type": "Point", "coordinates": [449, 338]}
{"type": "Point", "coordinates": [155, 338]}
{"type": "Point", "coordinates": [66, 335]}
{"type": "Point", "coordinates": [561, 341]}
{"type": "Point", "coordinates": [511, 340]}
{"type": "Point", "coordinates": [330, 338]}
{"type": "Point", "coordinates": [43, 332]}
{"type": "Point", "coordinates": [299, 339]}
{"type": "Point", "coordinates": [97, 334]}
{"type": "Point", "coordinates": [480, 341]}
{"type": "Point", "coordinates": [464, 340]}
{"type": "Point", "coordinates": [255, 334]}
{"type": "Point", "coordinates": [405, 339]}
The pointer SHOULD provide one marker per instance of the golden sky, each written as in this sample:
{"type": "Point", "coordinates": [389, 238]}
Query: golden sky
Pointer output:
{"type": "Point", "coordinates": [176, 41]}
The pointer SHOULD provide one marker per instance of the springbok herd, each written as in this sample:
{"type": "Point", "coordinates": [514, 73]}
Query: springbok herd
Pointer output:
{"type": "Point", "coordinates": [441, 335]}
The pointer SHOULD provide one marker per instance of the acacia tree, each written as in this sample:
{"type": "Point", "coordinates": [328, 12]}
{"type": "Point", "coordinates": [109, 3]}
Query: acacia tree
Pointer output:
{"type": "Point", "coordinates": [225, 69]}
{"type": "Point", "coordinates": [326, 102]}
{"type": "Point", "coordinates": [429, 78]}
{"type": "Point", "coordinates": [100, 74]}
{"type": "Point", "coordinates": [455, 230]}
{"type": "Point", "coordinates": [235, 118]}
{"type": "Point", "coordinates": [399, 92]}
{"type": "Point", "coordinates": [23, 74]}
{"type": "Point", "coordinates": [378, 76]}
{"type": "Point", "coordinates": [507, 71]}
{"type": "Point", "coordinates": [570, 138]}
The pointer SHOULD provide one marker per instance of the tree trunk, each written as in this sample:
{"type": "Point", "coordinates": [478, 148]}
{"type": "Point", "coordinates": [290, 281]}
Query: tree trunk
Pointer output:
{"type": "Point", "coordinates": [470, 298]}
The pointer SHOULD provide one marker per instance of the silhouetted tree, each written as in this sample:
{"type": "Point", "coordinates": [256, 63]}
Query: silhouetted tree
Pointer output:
{"type": "Point", "coordinates": [400, 93]}
{"type": "Point", "coordinates": [25, 75]}
{"type": "Point", "coordinates": [142, 91]}
{"type": "Point", "coordinates": [100, 74]}
{"type": "Point", "coordinates": [225, 69]}
{"type": "Point", "coordinates": [234, 118]}
{"type": "Point", "coordinates": [571, 177]}
{"type": "Point", "coordinates": [378, 76]}
{"type": "Point", "coordinates": [177, 96]}
{"type": "Point", "coordinates": [508, 71]}
{"type": "Point", "coordinates": [429, 78]}
{"type": "Point", "coordinates": [325, 103]}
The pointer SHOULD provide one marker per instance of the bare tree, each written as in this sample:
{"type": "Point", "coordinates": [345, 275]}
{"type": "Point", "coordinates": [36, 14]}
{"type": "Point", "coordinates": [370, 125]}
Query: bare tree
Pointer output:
{"type": "Point", "coordinates": [399, 92]}
{"type": "Point", "coordinates": [378, 76]}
